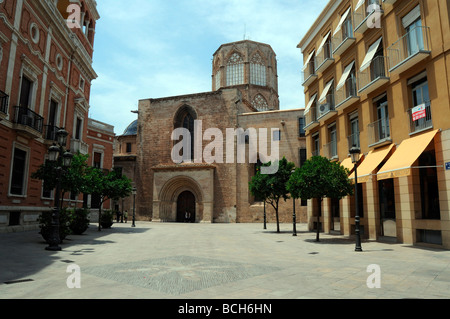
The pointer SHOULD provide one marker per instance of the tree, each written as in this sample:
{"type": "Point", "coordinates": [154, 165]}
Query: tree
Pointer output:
{"type": "Point", "coordinates": [72, 180]}
{"type": "Point", "coordinates": [108, 185]}
{"type": "Point", "coordinates": [272, 187]}
{"type": "Point", "coordinates": [319, 178]}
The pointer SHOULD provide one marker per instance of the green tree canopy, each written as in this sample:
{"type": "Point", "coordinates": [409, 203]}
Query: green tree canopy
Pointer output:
{"type": "Point", "coordinates": [319, 178]}
{"type": "Point", "coordinates": [272, 187]}
{"type": "Point", "coordinates": [107, 184]}
{"type": "Point", "coordinates": [71, 181]}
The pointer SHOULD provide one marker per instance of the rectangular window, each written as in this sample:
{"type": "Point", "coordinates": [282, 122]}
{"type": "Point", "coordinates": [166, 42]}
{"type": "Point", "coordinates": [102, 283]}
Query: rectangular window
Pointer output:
{"type": "Point", "coordinates": [25, 92]}
{"type": "Point", "coordinates": [302, 156]}
{"type": "Point", "coordinates": [97, 160]}
{"type": "Point", "coordinates": [301, 126]}
{"type": "Point", "coordinates": [333, 141]}
{"type": "Point", "coordinates": [277, 135]}
{"type": "Point", "coordinates": [354, 132]}
{"type": "Point", "coordinates": [382, 128]}
{"type": "Point", "coordinates": [78, 128]}
{"type": "Point", "coordinates": [315, 145]}
{"type": "Point", "coordinates": [18, 172]}
{"type": "Point", "coordinates": [128, 147]}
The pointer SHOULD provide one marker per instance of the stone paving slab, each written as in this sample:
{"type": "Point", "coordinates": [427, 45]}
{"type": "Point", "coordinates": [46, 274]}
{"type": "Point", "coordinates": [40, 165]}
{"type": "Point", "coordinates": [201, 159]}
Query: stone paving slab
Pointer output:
{"type": "Point", "coordinates": [217, 261]}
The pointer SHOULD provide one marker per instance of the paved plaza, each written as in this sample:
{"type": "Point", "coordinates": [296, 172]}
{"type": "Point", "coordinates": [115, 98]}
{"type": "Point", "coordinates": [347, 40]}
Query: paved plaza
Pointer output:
{"type": "Point", "coordinates": [217, 261]}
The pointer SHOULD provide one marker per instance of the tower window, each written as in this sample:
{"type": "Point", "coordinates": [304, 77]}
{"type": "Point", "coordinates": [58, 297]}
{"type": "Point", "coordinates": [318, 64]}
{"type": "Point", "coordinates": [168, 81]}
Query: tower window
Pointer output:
{"type": "Point", "coordinates": [257, 70]}
{"type": "Point", "coordinates": [235, 70]}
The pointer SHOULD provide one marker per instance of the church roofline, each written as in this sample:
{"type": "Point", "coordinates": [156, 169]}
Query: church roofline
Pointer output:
{"type": "Point", "coordinates": [183, 96]}
{"type": "Point", "coordinates": [272, 112]}
{"type": "Point", "coordinates": [242, 41]}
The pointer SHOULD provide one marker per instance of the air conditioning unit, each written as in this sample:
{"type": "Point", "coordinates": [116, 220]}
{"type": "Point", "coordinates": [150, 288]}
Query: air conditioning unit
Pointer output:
{"type": "Point", "coordinates": [323, 108]}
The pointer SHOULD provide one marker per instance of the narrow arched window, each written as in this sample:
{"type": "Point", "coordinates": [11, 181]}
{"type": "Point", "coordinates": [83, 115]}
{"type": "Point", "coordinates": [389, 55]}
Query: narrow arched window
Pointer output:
{"type": "Point", "coordinates": [235, 70]}
{"type": "Point", "coordinates": [257, 70]}
{"type": "Point", "coordinates": [185, 118]}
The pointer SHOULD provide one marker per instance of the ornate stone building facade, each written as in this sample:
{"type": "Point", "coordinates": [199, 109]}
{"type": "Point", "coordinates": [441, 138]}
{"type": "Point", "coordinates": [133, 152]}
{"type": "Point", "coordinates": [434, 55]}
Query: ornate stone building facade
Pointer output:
{"type": "Point", "coordinates": [244, 95]}
{"type": "Point", "coordinates": [45, 83]}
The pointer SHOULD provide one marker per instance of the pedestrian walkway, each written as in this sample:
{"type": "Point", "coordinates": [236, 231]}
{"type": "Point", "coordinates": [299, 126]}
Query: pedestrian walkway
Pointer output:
{"type": "Point", "coordinates": [217, 261]}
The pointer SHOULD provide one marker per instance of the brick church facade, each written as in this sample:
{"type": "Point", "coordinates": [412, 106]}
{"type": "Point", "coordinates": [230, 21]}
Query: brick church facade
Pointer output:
{"type": "Point", "coordinates": [244, 96]}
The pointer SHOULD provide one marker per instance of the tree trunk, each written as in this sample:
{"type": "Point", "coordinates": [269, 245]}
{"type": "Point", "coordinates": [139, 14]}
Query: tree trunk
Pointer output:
{"type": "Point", "coordinates": [318, 218]}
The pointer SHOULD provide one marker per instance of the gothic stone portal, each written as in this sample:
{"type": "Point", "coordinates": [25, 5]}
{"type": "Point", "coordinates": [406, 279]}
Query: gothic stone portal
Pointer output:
{"type": "Point", "coordinates": [179, 189]}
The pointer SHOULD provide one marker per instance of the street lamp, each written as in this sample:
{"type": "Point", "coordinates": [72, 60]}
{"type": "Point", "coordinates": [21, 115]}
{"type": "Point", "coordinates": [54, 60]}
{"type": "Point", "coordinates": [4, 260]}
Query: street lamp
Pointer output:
{"type": "Point", "coordinates": [294, 222]}
{"type": "Point", "coordinates": [354, 153]}
{"type": "Point", "coordinates": [134, 206]}
{"type": "Point", "coordinates": [56, 152]}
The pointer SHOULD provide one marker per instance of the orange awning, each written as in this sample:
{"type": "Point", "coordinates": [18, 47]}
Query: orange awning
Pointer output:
{"type": "Point", "coordinates": [347, 163]}
{"type": "Point", "coordinates": [401, 162]}
{"type": "Point", "coordinates": [371, 161]}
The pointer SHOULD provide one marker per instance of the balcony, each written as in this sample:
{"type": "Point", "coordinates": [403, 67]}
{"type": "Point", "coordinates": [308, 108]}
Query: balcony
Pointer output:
{"type": "Point", "coordinates": [379, 132]}
{"type": "Point", "coordinates": [374, 76]}
{"type": "Point", "coordinates": [343, 39]}
{"type": "Point", "coordinates": [330, 150]}
{"type": "Point", "coordinates": [367, 18]}
{"type": "Point", "coordinates": [28, 122]}
{"type": "Point", "coordinates": [346, 95]}
{"type": "Point", "coordinates": [79, 146]}
{"type": "Point", "coordinates": [4, 99]}
{"type": "Point", "coordinates": [327, 110]}
{"type": "Point", "coordinates": [309, 74]}
{"type": "Point", "coordinates": [311, 119]}
{"type": "Point", "coordinates": [50, 132]}
{"type": "Point", "coordinates": [323, 59]}
{"type": "Point", "coordinates": [409, 50]}
{"type": "Point", "coordinates": [424, 122]}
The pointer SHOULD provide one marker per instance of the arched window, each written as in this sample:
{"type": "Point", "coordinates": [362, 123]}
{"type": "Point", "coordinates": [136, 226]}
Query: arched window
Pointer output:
{"type": "Point", "coordinates": [235, 70]}
{"type": "Point", "coordinates": [260, 103]}
{"type": "Point", "coordinates": [185, 119]}
{"type": "Point", "coordinates": [257, 70]}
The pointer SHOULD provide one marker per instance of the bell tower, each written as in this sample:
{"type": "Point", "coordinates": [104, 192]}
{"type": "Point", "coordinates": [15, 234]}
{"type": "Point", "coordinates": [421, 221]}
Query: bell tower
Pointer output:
{"type": "Point", "coordinates": [250, 67]}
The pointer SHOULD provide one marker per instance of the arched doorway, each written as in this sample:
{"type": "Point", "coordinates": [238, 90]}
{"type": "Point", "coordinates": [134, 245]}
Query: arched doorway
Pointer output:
{"type": "Point", "coordinates": [186, 204]}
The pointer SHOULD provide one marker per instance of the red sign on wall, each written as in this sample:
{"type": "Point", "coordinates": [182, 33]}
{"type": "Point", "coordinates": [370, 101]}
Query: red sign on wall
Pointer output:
{"type": "Point", "coordinates": [419, 112]}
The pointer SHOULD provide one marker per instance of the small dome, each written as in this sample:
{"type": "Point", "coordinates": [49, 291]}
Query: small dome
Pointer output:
{"type": "Point", "coordinates": [131, 129]}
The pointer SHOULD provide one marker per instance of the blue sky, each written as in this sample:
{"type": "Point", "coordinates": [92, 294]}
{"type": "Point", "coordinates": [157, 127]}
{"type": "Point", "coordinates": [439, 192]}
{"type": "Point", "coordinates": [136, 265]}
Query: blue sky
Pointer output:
{"type": "Point", "coordinates": [155, 48]}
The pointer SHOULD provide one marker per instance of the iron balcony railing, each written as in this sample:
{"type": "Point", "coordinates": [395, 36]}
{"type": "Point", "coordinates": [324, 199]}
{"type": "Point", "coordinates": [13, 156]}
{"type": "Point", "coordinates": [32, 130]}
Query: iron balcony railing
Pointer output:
{"type": "Point", "coordinates": [348, 90]}
{"type": "Point", "coordinates": [50, 132]}
{"type": "Point", "coordinates": [25, 116]}
{"type": "Point", "coordinates": [330, 150]}
{"type": "Point", "coordinates": [4, 99]}
{"type": "Point", "coordinates": [364, 17]}
{"type": "Point", "coordinates": [311, 116]}
{"type": "Point", "coordinates": [339, 39]}
{"type": "Point", "coordinates": [410, 45]}
{"type": "Point", "coordinates": [379, 131]}
{"type": "Point", "coordinates": [323, 56]}
{"type": "Point", "coordinates": [377, 70]}
{"type": "Point", "coordinates": [309, 72]}
{"type": "Point", "coordinates": [424, 122]}
{"type": "Point", "coordinates": [326, 107]}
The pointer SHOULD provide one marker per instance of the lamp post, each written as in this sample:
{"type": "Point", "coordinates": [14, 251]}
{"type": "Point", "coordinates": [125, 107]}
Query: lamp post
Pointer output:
{"type": "Point", "coordinates": [134, 207]}
{"type": "Point", "coordinates": [294, 222]}
{"type": "Point", "coordinates": [265, 219]}
{"type": "Point", "coordinates": [354, 153]}
{"type": "Point", "coordinates": [54, 153]}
